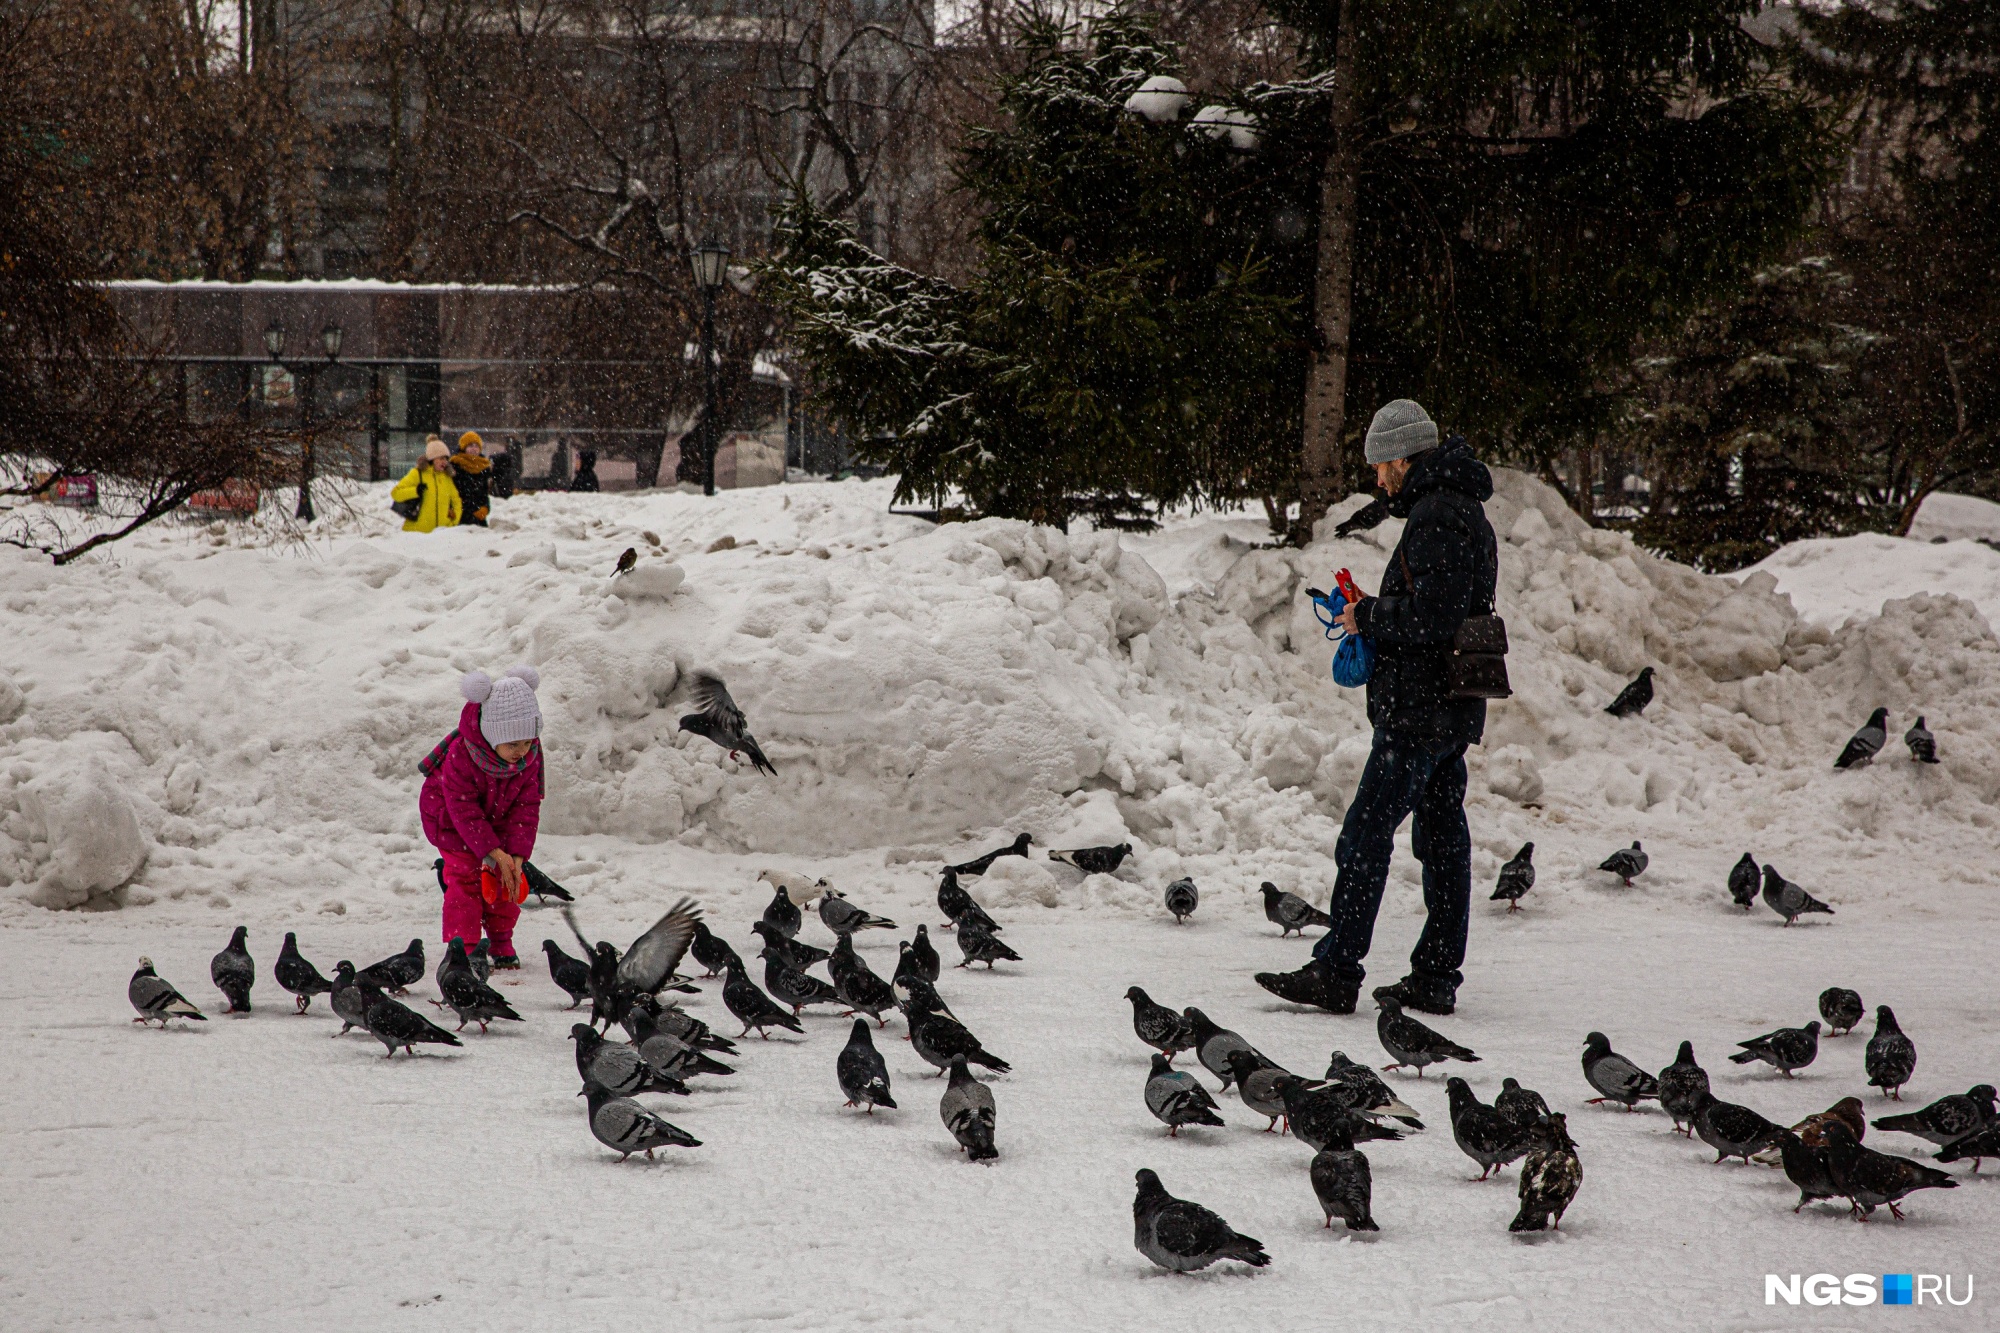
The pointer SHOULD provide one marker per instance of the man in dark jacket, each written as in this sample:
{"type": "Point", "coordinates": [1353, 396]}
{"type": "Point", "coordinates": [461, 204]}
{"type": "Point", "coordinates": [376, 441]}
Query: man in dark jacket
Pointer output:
{"type": "Point", "coordinates": [1444, 569]}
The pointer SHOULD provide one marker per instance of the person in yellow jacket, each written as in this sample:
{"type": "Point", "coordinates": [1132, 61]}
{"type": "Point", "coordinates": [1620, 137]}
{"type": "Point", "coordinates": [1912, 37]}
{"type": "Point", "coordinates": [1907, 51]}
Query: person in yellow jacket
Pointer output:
{"type": "Point", "coordinates": [426, 498]}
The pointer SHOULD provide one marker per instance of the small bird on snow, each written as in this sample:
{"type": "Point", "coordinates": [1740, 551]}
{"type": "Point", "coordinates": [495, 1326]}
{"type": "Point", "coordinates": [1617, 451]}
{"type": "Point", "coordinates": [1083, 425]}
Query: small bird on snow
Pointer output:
{"type": "Point", "coordinates": [621, 1124]}
{"type": "Point", "coordinates": [1866, 743]}
{"type": "Point", "coordinates": [856, 984]}
{"type": "Point", "coordinates": [967, 1111]}
{"type": "Point", "coordinates": [1516, 878]}
{"type": "Point", "coordinates": [844, 918]}
{"type": "Point", "coordinates": [721, 721]}
{"type": "Point", "coordinates": [1341, 1182]}
{"type": "Point", "coordinates": [617, 1069]}
{"type": "Point", "coordinates": [234, 973]}
{"type": "Point", "coordinates": [1410, 1042]}
{"type": "Point", "coordinates": [1841, 1008]}
{"type": "Point", "coordinates": [1184, 1237]}
{"type": "Point", "coordinates": [1787, 899]}
{"type": "Point", "coordinates": [1260, 1084]}
{"type": "Point", "coordinates": [395, 1025]}
{"type": "Point", "coordinates": [470, 998]}
{"type": "Point", "coordinates": [941, 1040]}
{"type": "Point", "coordinates": [1371, 1094]}
{"type": "Point", "coordinates": [1786, 1049]}
{"type": "Point", "coordinates": [1732, 1130]}
{"type": "Point", "coordinates": [1176, 1098]}
{"type": "Point", "coordinates": [1870, 1179]}
{"type": "Point", "coordinates": [297, 975]}
{"type": "Point", "coordinates": [710, 949]}
{"type": "Point", "coordinates": [1481, 1132]}
{"type": "Point", "coordinates": [1923, 745]}
{"type": "Point", "coordinates": [752, 1007]}
{"type": "Point", "coordinates": [1743, 879]}
{"type": "Point", "coordinates": [1522, 1107]}
{"type": "Point", "coordinates": [789, 985]}
{"type": "Point", "coordinates": [1159, 1026]}
{"type": "Point", "coordinates": [1682, 1085]}
{"type": "Point", "coordinates": [1318, 1113]}
{"type": "Point", "coordinates": [1806, 1167]}
{"type": "Point", "coordinates": [957, 904]}
{"type": "Point", "coordinates": [1094, 860]}
{"type": "Point", "coordinates": [1618, 1079]}
{"type": "Point", "coordinates": [396, 973]}
{"type": "Point", "coordinates": [1947, 1118]}
{"type": "Point", "coordinates": [924, 954]}
{"type": "Point", "coordinates": [626, 561]}
{"type": "Point", "coordinates": [1891, 1057]}
{"type": "Point", "coordinates": [1550, 1177]}
{"type": "Point", "coordinates": [1290, 912]}
{"type": "Point", "coordinates": [1634, 697]}
{"type": "Point", "coordinates": [542, 886]}
{"type": "Point", "coordinates": [348, 998]}
{"type": "Point", "coordinates": [1627, 862]}
{"type": "Point", "coordinates": [572, 975]}
{"type": "Point", "coordinates": [782, 914]}
{"type": "Point", "coordinates": [154, 998]}
{"type": "Point", "coordinates": [980, 945]}
{"type": "Point", "coordinates": [795, 952]}
{"type": "Point", "coordinates": [862, 1074]}
{"type": "Point", "coordinates": [1212, 1044]}
{"type": "Point", "coordinates": [979, 865]}
{"type": "Point", "coordinates": [1182, 898]}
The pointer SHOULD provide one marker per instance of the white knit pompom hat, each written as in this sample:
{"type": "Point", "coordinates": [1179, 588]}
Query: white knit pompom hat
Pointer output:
{"type": "Point", "coordinates": [507, 707]}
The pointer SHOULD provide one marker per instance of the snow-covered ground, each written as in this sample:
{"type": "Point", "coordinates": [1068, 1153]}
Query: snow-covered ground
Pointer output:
{"type": "Point", "coordinates": [207, 729]}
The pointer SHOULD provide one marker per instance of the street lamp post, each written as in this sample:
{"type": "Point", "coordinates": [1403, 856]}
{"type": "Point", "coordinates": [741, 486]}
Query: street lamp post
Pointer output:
{"type": "Point", "coordinates": [274, 343]}
{"type": "Point", "coordinates": [710, 263]}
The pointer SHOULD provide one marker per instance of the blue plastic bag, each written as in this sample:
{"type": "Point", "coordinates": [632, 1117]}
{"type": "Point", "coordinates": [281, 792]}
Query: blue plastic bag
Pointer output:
{"type": "Point", "coordinates": [1354, 659]}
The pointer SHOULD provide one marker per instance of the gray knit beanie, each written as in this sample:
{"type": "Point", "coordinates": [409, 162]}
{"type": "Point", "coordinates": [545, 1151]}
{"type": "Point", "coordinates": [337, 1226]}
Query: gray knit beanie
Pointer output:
{"type": "Point", "coordinates": [507, 707]}
{"type": "Point", "coordinates": [1399, 430]}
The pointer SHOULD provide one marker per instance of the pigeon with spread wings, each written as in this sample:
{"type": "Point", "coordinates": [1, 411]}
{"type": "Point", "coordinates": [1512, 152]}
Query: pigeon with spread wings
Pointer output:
{"type": "Point", "coordinates": [721, 721]}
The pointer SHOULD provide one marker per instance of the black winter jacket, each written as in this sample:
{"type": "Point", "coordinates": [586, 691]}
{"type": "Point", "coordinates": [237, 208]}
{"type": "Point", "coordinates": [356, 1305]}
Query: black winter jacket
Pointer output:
{"type": "Point", "coordinates": [1448, 549]}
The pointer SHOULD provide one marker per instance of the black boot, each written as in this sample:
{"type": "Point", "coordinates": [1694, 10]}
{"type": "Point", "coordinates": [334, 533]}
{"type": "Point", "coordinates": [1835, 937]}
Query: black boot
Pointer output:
{"type": "Point", "coordinates": [1426, 994]}
{"type": "Point", "coordinates": [1311, 985]}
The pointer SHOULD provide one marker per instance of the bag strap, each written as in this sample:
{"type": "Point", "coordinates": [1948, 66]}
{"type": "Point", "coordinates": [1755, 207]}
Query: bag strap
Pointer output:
{"type": "Point", "coordinates": [1472, 537]}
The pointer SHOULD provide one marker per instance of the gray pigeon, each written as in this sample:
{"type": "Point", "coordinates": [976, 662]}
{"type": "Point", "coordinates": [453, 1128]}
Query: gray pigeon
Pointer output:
{"type": "Point", "coordinates": [396, 1025]}
{"type": "Point", "coordinates": [862, 1074]}
{"type": "Point", "coordinates": [796, 953]}
{"type": "Point", "coordinates": [154, 998]}
{"type": "Point", "coordinates": [790, 986]}
{"type": "Point", "coordinates": [967, 1111]}
{"type": "Point", "coordinates": [957, 904]}
{"type": "Point", "coordinates": [572, 975]}
{"type": "Point", "coordinates": [1517, 876]}
{"type": "Point", "coordinates": [1213, 1044]}
{"type": "Point", "coordinates": [1618, 1079]}
{"type": "Point", "coordinates": [618, 1069]}
{"type": "Point", "coordinates": [1316, 1113]}
{"type": "Point", "coordinates": [1176, 1098]}
{"type": "Point", "coordinates": [233, 973]}
{"type": "Point", "coordinates": [1341, 1182]}
{"type": "Point", "coordinates": [1094, 860]}
{"type": "Point", "coordinates": [1841, 1008]}
{"type": "Point", "coordinates": [856, 984]}
{"type": "Point", "coordinates": [753, 1008]}
{"type": "Point", "coordinates": [1786, 1049]}
{"type": "Point", "coordinates": [1290, 912]}
{"type": "Point", "coordinates": [782, 915]}
{"type": "Point", "coordinates": [1627, 862]}
{"type": "Point", "coordinates": [1980, 1144]}
{"type": "Point", "coordinates": [622, 1124]}
{"type": "Point", "coordinates": [942, 1041]}
{"type": "Point", "coordinates": [721, 721]}
{"type": "Point", "coordinates": [1159, 1026]}
{"type": "Point", "coordinates": [1682, 1085]}
{"type": "Point", "coordinates": [670, 1056]}
{"type": "Point", "coordinates": [1260, 1084]}
{"type": "Point", "coordinates": [924, 954]}
{"type": "Point", "coordinates": [470, 998]}
{"type": "Point", "coordinates": [844, 918]}
{"type": "Point", "coordinates": [1947, 1118]}
{"type": "Point", "coordinates": [1866, 743]}
{"type": "Point", "coordinates": [480, 958]}
{"type": "Point", "coordinates": [297, 975]}
{"type": "Point", "coordinates": [1371, 1094]}
{"type": "Point", "coordinates": [396, 973]}
{"type": "Point", "coordinates": [1410, 1042]}
{"type": "Point", "coordinates": [1732, 1130]}
{"type": "Point", "coordinates": [1481, 1132]}
{"type": "Point", "coordinates": [1787, 899]}
{"type": "Point", "coordinates": [1184, 1237]}
{"type": "Point", "coordinates": [1743, 878]}
{"type": "Point", "coordinates": [1182, 898]}
{"type": "Point", "coordinates": [1523, 1108]}
{"type": "Point", "coordinates": [1923, 745]}
{"type": "Point", "coordinates": [980, 945]}
{"type": "Point", "coordinates": [349, 1000]}
{"type": "Point", "coordinates": [1891, 1057]}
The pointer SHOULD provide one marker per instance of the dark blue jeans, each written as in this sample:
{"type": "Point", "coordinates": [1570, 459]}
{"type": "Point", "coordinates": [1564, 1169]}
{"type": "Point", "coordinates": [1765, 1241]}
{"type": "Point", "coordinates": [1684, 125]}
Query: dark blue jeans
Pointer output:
{"type": "Point", "coordinates": [1403, 776]}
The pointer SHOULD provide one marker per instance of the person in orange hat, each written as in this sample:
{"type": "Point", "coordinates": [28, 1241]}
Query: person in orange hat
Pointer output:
{"type": "Point", "coordinates": [471, 471]}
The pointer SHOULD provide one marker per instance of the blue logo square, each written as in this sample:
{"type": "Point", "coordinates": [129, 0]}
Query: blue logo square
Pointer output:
{"type": "Point", "coordinates": [1895, 1289]}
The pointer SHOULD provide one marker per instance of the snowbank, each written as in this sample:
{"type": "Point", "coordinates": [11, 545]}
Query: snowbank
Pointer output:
{"type": "Point", "coordinates": [1956, 517]}
{"type": "Point", "coordinates": [1836, 579]}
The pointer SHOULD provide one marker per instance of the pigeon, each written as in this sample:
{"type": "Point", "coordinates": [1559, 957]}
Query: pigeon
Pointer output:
{"type": "Point", "coordinates": [1923, 745]}
{"type": "Point", "coordinates": [1523, 1108]}
{"type": "Point", "coordinates": [1618, 1079]}
{"type": "Point", "coordinates": [1410, 1042]}
{"type": "Point", "coordinates": [1370, 515]}
{"type": "Point", "coordinates": [797, 953]}
{"type": "Point", "coordinates": [1732, 1130]}
{"type": "Point", "coordinates": [297, 975]}
{"type": "Point", "coordinates": [721, 721]}
{"type": "Point", "coordinates": [1184, 1237]}
{"type": "Point", "coordinates": [396, 973]}
{"type": "Point", "coordinates": [1947, 1118]}
{"type": "Point", "coordinates": [616, 1069]}
{"type": "Point", "coordinates": [1549, 1177]}
{"type": "Point", "coordinates": [844, 918]}
{"type": "Point", "coordinates": [1342, 1184]}
{"type": "Point", "coordinates": [154, 998]}
{"type": "Point", "coordinates": [1841, 1008]}
{"type": "Point", "coordinates": [1290, 912]}
{"type": "Point", "coordinates": [1213, 1044]}
{"type": "Point", "coordinates": [571, 974]}
{"type": "Point", "coordinates": [783, 915]}
{"type": "Point", "coordinates": [790, 986]}
{"type": "Point", "coordinates": [622, 1124]}
{"type": "Point", "coordinates": [542, 886]}
{"type": "Point", "coordinates": [1182, 898]}
{"type": "Point", "coordinates": [1787, 899]}
{"type": "Point", "coordinates": [1628, 863]}
{"type": "Point", "coordinates": [1371, 1094]}
{"type": "Point", "coordinates": [710, 949]}
{"type": "Point", "coordinates": [626, 561]}
{"type": "Point", "coordinates": [481, 959]}
{"type": "Point", "coordinates": [979, 865]}
{"type": "Point", "coordinates": [957, 904]}
{"type": "Point", "coordinates": [644, 969]}
{"type": "Point", "coordinates": [667, 1055]}
{"type": "Point", "coordinates": [470, 998]}
{"type": "Point", "coordinates": [1743, 879]}
{"type": "Point", "coordinates": [1847, 1111]}
{"type": "Point", "coordinates": [451, 962]}
{"type": "Point", "coordinates": [1870, 1179]}
{"type": "Point", "coordinates": [980, 945]}
{"type": "Point", "coordinates": [395, 1025]}
{"type": "Point", "coordinates": [234, 973]}
{"type": "Point", "coordinates": [940, 1040]}
{"type": "Point", "coordinates": [799, 891]}
{"type": "Point", "coordinates": [1094, 860]}
{"type": "Point", "coordinates": [862, 1074]}
{"type": "Point", "coordinates": [967, 1111]}
{"type": "Point", "coordinates": [1482, 1133]}
{"type": "Point", "coordinates": [924, 955]}
{"type": "Point", "coordinates": [1516, 878]}
{"type": "Point", "coordinates": [907, 969]}
{"type": "Point", "coordinates": [1316, 1112]}
{"type": "Point", "coordinates": [1806, 1167]}
{"type": "Point", "coordinates": [1633, 699]}
{"type": "Point", "coordinates": [1260, 1084]}
{"type": "Point", "coordinates": [1980, 1144]}
{"type": "Point", "coordinates": [1682, 1085]}
{"type": "Point", "coordinates": [676, 1022]}
{"type": "Point", "coordinates": [1176, 1098]}
{"type": "Point", "coordinates": [1867, 742]}
{"type": "Point", "coordinates": [1786, 1049]}
{"type": "Point", "coordinates": [914, 995]}
{"type": "Point", "coordinates": [857, 986]}
{"type": "Point", "coordinates": [1891, 1057]}
{"type": "Point", "coordinates": [348, 998]}
{"type": "Point", "coordinates": [1159, 1026]}
{"type": "Point", "coordinates": [753, 1008]}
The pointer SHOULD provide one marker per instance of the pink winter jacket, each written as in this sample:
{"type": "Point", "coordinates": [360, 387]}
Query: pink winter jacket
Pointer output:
{"type": "Point", "coordinates": [472, 802]}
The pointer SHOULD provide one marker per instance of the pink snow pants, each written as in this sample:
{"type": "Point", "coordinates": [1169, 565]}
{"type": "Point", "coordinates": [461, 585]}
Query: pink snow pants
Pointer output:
{"type": "Point", "coordinates": [466, 911]}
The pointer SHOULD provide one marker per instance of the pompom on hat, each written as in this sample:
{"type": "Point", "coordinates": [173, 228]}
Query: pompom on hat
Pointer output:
{"type": "Point", "coordinates": [507, 707]}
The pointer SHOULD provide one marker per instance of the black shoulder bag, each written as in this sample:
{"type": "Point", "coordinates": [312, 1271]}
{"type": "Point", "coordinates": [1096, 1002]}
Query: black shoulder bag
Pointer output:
{"type": "Point", "coordinates": [407, 510]}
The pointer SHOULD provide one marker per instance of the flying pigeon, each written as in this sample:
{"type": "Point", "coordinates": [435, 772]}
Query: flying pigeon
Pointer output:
{"type": "Point", "coordinates": [1290, 912]}
{"type": "Point", "coordinates": [542, 886]}
{"type": "Point", "coordinates": [1841, 1008]}
{"type": "Point", "coordinates": [967, 1111]}
{"type": "Point", "coordinates": [844, 918]}
{"type": "Point", "coordinates": [753, 1008]}
{"type": "Point", "coordinates": [1980, 1144]}
{"type": "Point", "coordinates": [979, 865]}
{"type": "Point", "coordinates": [1627, 863]}
{"type": "Point", "coordinates": [1260, 1084]}
{"type": "Point", "coordinates": [154, 998]}
{"type": "Point", "coordinates": [1891, 1057]}
{"type": "Point", "coordinates": [1176, 1098]}
{"type": "Point", "coordinates": [619, 1070]}
{"type": "Point", "coordinates": [710, 949]}
{"type": "Point", "coordinates": [626, 561]}
{"type": "Point", "coordinates": [1370, 515]}
{"type": "Point", "coordinates": [1743, 878]}
{"type": "Point", "coordinates": [1482, 1133]}
{"type": "Point", "coordinates": [1923, 745]}
{"type": "Point", "coordinates": [862, 1074]}
{"type": "Point", "coordinates": [1870, 1179]}
{"type": "Point", "coordinates": [1094, 860]}
{"type": "Point", "coordinates": [1523, 1108]}
{"type": "Point", "coordinates": [297, 975]}
{"type": "Point", "coordinates": [957, 904]}
{"type": "Point", "coordinates": [1159, 1026]}
{"type": "Point", "coordinates": [348, 998]}
{"type": "Point", "coordinates": [1618, 1079]}
{"type": "Point", "coordinates": [234, 973]}
{"type": "Point", "coordinates": [1634, 697]}
{"type": "Point", "coordinates": [790, 986]}
{"type": "Point", "coordinates": [1786, 1049]}
{"type": "Point", "coordinates": [1787, 899]}
{"type": "Point", "coordinates": [1184, 1237]}
{"type": "Point", "coordinates": [396, 973]}
{"type": "Point", "coordinates": [622, 1124]}
{"type": "Point", "coordinates": [856, 984]}
{"type": "Point", "coordinates": [1213, 1044]}
{"type": "Point", "coordinates": [395, 1025]}
{"type": "Point", "coordinates": [1549, 1177]}
{"type": "Point", "coordinates": [721, 721]}
{"type": "Point", "coordinates": [1806, 1167]}
{"type": "Point", "coordinates": [470, 998]}
{"type": "Point", "coordinates": [1182, 898]}
{"type": "Point", "coordinates": [795, 952]}
{"type": "Point", "coordinates": [673, 1058]}
{"type": "Point", "coordinates": [571, 974]}
{"type": "Point", "coordinates": [783, 915]}
{"type": "Point", "coordinates": [1371, 1094]}
{"type": "Point", "coordinates": [1410, 1042]}
{"type": "Point", "coordinates": [1947, 1118]}
{"type": "Point", "coordinates": [1867, 742]}
{"type": "Point", "coordinates": [1732, 1130]}
{"type": "Point", "coordinates": [924, 954]}
{"type": "Point", "coordinates": [1682, 1085]}
{"type": "Point", "coordinates": [1516, 878]}
{"type": "Point", "coordinates": [980, 945]}
{"type": "Point", "coordinates": [644, 969]}
{"type": "Point", "coordinates": [941, 1040]}
{"type": "Point", "coordinates": [1341, 1182]}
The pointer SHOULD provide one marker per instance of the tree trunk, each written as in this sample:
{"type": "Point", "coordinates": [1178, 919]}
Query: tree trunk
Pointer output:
{"type": "Point", "coordinates": [1333, 300]}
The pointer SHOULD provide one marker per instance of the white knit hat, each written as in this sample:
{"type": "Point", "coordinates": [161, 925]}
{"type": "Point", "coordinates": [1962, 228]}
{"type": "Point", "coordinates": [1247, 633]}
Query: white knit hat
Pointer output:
{"type": "Point", "coordinates": [1400, 428]}
{"type": "Point", "coordinates": [507, 707]}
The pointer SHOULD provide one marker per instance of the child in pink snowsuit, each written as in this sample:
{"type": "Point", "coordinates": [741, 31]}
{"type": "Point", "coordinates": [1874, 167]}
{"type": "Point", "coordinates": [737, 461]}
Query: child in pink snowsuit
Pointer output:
{"type": "Point", "coordinates": [481, 803]}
